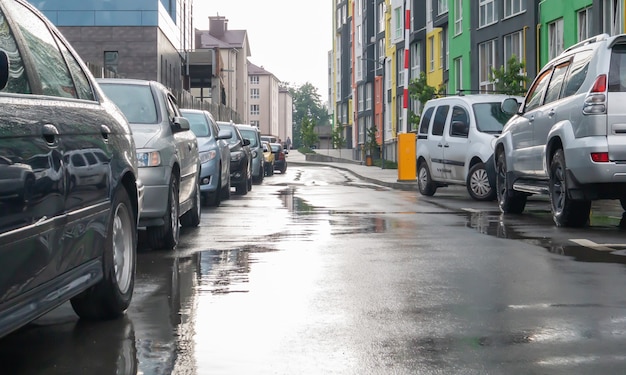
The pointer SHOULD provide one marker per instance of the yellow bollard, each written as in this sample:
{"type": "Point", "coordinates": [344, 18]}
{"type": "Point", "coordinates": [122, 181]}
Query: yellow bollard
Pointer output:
{"type": "Point", "coordinates": [406, 158]}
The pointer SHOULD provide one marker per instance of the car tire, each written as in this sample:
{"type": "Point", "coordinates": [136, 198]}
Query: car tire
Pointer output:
{"type": "Point", "coordinates": [214, 199]}
{"type": "Point", "coordinates": [225, 191]}
{"type": "Point", "coordinates": [509, 202]}
{"type": "Point", "coordinates": [566, 212]}
{"type": "Point", "coordinates": [166, 236]}
{"type": "Point", "coordinates": [242, 187]}
{"type": "Point", "coordinates": [260, 175]}
{"type": "Point", "coordinates": [478, 185]}
{"type": "Point", "coordinates": [111, 296]}
{"type": "Point", "coordinates": [425, 183]}
{"type": "Point", "coordinates": [191, 218]}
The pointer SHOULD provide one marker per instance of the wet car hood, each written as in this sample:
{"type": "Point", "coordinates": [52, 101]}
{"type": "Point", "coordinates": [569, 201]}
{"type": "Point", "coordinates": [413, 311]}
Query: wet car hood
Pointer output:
{"type": "Point", "coordinates": [144, 135]}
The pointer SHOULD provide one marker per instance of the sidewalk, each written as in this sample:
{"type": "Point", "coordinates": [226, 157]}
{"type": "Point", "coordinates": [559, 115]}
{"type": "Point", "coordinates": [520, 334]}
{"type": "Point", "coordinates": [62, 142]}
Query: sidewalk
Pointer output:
{"type": "Point", "coordinates": [375, 175]}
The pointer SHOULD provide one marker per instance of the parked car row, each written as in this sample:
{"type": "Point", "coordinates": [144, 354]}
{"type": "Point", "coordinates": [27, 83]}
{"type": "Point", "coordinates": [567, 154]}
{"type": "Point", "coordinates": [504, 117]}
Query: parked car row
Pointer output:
{"type": "Point", "coordinates": [565, 139]}
{"type": "Point", "coordinates": [86, 163]}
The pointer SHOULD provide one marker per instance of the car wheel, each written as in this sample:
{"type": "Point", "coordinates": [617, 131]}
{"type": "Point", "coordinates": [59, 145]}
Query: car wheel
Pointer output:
{"type": "Point", "coordinates": [566, 212]}
{"type": "Point", "coordinates": [191, 218]}
{"type": "Point", "coordinates": [112, 295]}
{"type": "Point", "coordinates": [261, 174]}
{"type": "Point", "coordinates": [510, 202]}
{"type": "Point", "coordinates": [478, 185]}
{"type": "Point", "coordinates": [166, 236]}
{"type": "Point", "coordinates": [425, 184]}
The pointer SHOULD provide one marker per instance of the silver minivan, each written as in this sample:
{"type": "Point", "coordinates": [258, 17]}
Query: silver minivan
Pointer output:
{"type": "Point", "coordinates": [167, 151]}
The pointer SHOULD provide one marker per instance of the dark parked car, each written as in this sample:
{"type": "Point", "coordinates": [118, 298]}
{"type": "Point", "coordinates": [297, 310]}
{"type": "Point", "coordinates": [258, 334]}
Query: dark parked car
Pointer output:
{"type": "Point", "coordinates": [214, 155]}
{"type": "Point", "coordinates": [240, 159]}
{"type": "Point", "coordinates": [58, 243]}
{"type": "Point", "coordinates": [253, 134]}
{"type": "Point", "coordinates": [167, 151]}
{"type": "Point", "coordinates": [280, 159]}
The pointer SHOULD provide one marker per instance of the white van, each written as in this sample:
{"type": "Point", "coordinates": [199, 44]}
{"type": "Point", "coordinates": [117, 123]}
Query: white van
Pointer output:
{"type": "Point", "coordinates": [455, 143]}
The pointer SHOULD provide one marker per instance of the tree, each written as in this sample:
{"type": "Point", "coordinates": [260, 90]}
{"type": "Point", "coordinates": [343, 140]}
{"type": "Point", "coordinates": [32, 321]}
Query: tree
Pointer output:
{"type": "Point", "coordinates": [337, 138]}
{"type": "Point", "coordinates": [420, 90]}
{"type": "Point", "coordinates": [510, 80]}
{"type": "Point", "coordinates": [306, 103]}
{"type": "Point", "coordinates": [307, 132]}
{"type": "Point", "coordinates": [371, 144]}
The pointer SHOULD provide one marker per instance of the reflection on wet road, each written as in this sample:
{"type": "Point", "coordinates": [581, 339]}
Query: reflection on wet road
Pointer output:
{"type": "Point", "coordinates": [316, 272]}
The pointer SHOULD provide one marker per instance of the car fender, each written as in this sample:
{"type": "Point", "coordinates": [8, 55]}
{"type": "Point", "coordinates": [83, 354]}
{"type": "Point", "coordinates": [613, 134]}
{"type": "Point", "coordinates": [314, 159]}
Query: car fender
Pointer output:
{"type": "Point", "coordinates": [561, 134]}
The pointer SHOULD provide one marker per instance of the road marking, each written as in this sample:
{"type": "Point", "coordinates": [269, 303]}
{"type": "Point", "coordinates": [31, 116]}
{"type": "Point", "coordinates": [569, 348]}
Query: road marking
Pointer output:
{"type": "Point", "coordinates": [598, 247]}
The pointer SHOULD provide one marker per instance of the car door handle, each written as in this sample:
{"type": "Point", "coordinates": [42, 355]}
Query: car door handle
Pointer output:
{"type": "Point", "coordinates": [105, 130]}
{"type": "Point", "coordinates": [531, 118]}
{"type": "Point", "coordinates": [50, 133]}
{"type": "Point", "coordinates": [551, 113]}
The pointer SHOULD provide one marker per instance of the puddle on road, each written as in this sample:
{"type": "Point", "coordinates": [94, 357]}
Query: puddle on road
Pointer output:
{"type": "Point", "coordinates": [582, 250]}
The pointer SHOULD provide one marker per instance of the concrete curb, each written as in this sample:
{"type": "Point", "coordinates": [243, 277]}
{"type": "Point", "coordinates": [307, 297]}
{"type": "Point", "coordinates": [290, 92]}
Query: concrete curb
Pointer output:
{"type": "Point", "coordinates": [406, 186]}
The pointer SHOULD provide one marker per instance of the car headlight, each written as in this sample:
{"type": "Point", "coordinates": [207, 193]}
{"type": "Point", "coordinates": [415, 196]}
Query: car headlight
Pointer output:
{"type": "Point", "coordinates": [254, 154]}
{"type": "Point", "coordinates": [207, 156]}
{"type": "Point", "coordinates": [149, 159]}
{"type": "Point", "coordinates": [236, 156]}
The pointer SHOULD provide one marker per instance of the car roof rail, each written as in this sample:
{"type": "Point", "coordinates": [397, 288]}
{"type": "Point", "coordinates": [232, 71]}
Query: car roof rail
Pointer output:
{"type": "Point", "coordinates": [593, 39]}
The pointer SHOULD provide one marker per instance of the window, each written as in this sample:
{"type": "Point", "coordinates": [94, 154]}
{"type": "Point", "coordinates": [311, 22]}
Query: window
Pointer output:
{"type": "Point", "coordinates": [425, 121]}
{"type": "Point", "coordinates": [513, 46]}
{"type": "Point", "coordinates": [458, 17]}
{"type": "Point", "coordinates": [381, 17]}
{"type": "Point", "coordinates": [584, 24]}
{"type": "Point", "coordinates": [254, 80]}
{"type": "Point", "coordinates": [255, 123]}
{"type": "Point", "coordinates": [49, 63]}
{"type": "Point", "coordinates": [442, 6]}
{"type": "Point", "coordinates": [486, 12]}
{"type": "Point", "coordinates": [555, 41]}
{"type": "Point", "coordinates": [617, 69]}
{"type": "Point", "coordinates": [83, 87]}
{"type": "Point", "coordinates": [398, 23]}
{"type": "Point", "coordinates": [361, 98]}
{"type": "Point", "coordinates": [416, 58]}
{"type": "Point", "coordinates": [400, 66]}
{"type": "Point", "coordinates": [18, 82]}
{"type": "Point", "coordinates": [535, 94]}
{"type": "Point", "coordinates": [612, 17]}
{"type": "Point", "coordinates": [556, 83]}
{"type": "Point", "coordinates": [459, 114]}
{"type": "Point", "coordinates": [443, 58]}
{"type": "Point", "coordinates": [440, 120]}
{"type": "Point", "coordinates": [486, 62]}
{"type": "Point", "coordinates": [458, 73]}
{"type": "Point", "coordinates": [513, 7]}
{"type": "Point", "coordinates": [368, 95]}
{"type": "Point", "coordinates": [254, 109]}
{"type": "Point", "coordinates": [400, 111]}
{"type": "Point", "coordinates": [254, 94]}
{"type": "Point", "coordinates": [578, 73]}
{"type": "Point", "coordinates": [431, 52]}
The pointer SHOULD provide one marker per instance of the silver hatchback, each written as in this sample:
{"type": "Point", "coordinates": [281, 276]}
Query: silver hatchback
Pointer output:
{"type": "Point", "coordinates": [568, 139]}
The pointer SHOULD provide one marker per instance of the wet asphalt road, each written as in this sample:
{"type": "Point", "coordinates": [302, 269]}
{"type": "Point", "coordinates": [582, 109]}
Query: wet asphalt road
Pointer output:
{"type": "Point", "coordinates": [315, 272]}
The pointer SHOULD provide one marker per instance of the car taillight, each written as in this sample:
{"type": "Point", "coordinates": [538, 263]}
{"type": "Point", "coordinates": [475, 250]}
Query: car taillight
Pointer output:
{"type": "Point", "coordinates": [595, 102]}
{"type": "Point", "coordinates": [600, 157]}
{"type": "Point", "coordinates": [281, 156]}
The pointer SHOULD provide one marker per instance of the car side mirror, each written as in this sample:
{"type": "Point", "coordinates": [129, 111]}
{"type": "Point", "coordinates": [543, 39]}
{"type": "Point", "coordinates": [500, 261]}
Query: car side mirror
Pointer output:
{"type": "Point", "coordinates": [181, 124]}
{"type": "Point", "coordinates": [460, 129]}
{"type": "Point", "coordinates": [246, 142]}
{"type": "Point", "coordinates": [4, 69]}
{"type": "Point", "coordinates": [510, 106]}
{"type": "Point", "coordinates": [224, 134]}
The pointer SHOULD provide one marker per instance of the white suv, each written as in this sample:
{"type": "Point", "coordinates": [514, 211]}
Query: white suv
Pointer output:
{"type": "Point", "coordinates": [568, 139]}
{"type": "Point", "coordinates": [455, 142]}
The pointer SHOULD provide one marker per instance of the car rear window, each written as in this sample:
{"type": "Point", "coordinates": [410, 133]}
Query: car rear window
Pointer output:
{"type": "Point", "coordinates": [489, 117]}
{"type": "Point", "coordinates": [617, 70]}
{"type": "Point", "coordinates": [135, 101]}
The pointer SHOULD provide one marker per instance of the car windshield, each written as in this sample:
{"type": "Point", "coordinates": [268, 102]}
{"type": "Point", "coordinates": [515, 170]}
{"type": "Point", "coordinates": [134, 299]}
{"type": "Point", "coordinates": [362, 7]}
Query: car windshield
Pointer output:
{"type": "Point", "coordinates": [135, 101]}
{"type": "Point", "coordinates": [198, 123]}
{"type": "Point", "coordinates": [489, 117]}
{"type": "Point", "coordinates": [275, 148]}
{"type": "Point", "coordinates": [251, 136]}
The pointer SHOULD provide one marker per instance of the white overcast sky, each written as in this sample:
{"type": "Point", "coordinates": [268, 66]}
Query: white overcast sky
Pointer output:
{"type": "Point", "coordinates": [289, 38]}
